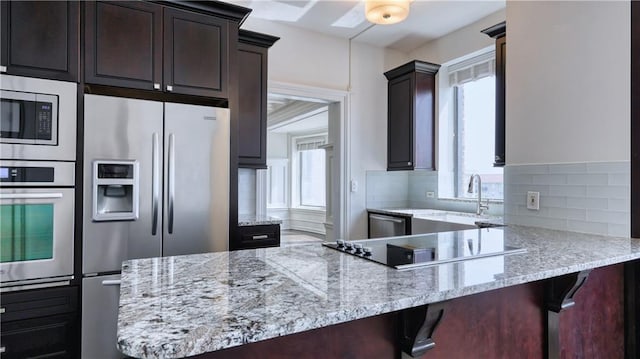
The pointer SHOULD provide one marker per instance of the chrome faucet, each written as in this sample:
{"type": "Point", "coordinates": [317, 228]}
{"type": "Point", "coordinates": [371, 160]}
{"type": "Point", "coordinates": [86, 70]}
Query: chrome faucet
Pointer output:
{"type": "Point", "coordinates": [481, 207]}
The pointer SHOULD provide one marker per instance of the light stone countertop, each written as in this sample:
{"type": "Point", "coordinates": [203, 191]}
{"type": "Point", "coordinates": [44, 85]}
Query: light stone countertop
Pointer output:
{"type": "Point", "coordinates": [440, 215]}
{"type": "Point", "coordinates": [254, 220]}
{"type": "Point", "coordinates": [187, 305]}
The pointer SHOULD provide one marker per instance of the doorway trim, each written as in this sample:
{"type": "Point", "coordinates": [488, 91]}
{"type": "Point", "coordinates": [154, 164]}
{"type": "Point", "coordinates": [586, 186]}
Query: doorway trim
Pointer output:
{"type": "Point", "coordinates": [342, 98]}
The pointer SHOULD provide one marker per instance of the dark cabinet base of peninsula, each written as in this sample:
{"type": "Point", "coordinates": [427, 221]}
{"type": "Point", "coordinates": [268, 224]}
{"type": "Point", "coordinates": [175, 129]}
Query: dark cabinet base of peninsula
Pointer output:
{"type": "Point", "coordinates": [503, 323]}
{"type": "Point", "coordinates": [260, 236]}
{"type": "Point", "coordinates": [40, 323]}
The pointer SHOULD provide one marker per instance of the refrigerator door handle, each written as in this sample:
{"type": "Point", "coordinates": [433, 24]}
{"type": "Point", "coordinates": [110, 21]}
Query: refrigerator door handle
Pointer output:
{"type": "Point", "coordinates": [155, 183]}
{"type": "Point", "coordinates": [172, 178]}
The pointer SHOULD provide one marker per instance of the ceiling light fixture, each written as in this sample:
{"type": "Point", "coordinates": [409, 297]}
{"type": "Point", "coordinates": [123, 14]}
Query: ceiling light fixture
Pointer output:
{"type": "Point", "coordinates": [386, 12]}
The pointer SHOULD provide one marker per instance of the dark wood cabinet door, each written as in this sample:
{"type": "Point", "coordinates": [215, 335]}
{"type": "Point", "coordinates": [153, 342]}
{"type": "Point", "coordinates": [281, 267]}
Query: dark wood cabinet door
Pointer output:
{"type": "Point", "coordinates": [501, 58]}
{"type": "Point", "coordinates": [40, 39]}
{"type": "Point", "coordinates": [46, 337]}
{"type": "Point", "coordinates": [40, 323]}
{"type": "Point", "coordinates": [123, 44]}
{"type": "Point", "coordinates": [196, 49]}
{"type": "Point", "coordinates": [411, 118]}
{"type": "Point", "coordinates": [400, 124]}
{"type": "Point", "coordinates": [252, 117]}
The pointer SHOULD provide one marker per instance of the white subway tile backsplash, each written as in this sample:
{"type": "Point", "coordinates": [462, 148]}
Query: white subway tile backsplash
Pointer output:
{"type": "Point", "coordinates": [568, 213]}
{"type": "Point", "coordinates": [583, 197]}
{"type": "Point", "coordinates": [592, 179]}
{"type": "Point", "coordinates": [568, 168]}
{"type": "Point", "coordinates": [615, 204]}
{"type": "Point", "coordinates": [529, 169]}
{"type": "Point", "coordinates": [618, 192]}
{"type": "Point", "coordinates": [549, 179]}
{"type": "Point", "coordinates": [588, 227]}
{"type": "Point", "coordinates": [587, 203]}
{"type": "Point", "coordinates": [619, 179]}
{"type": "Point", "coordinates": [608, 167]}
{"type": "Point", "coordinates": [605, 216]}
{"type": "Point", "coordinates": [568, 190]}
{"type": "Point", "coordinates": [551, 201]}
{"type": "Point", "coordinates": [553, 223]}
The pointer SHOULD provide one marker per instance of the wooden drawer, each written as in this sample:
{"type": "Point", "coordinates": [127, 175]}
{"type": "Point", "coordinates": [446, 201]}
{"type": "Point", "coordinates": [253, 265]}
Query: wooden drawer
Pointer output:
{"type": "Point", "coordinates": [40, 323]}
{"type": "Point", "coordinates": [261, 236]}
{"type": "Point", "coordinates": [38, 303]}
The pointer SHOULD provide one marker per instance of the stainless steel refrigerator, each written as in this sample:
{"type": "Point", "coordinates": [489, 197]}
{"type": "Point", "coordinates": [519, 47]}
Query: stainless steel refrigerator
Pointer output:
{"type": "Point", "coordinates": [156, 183]}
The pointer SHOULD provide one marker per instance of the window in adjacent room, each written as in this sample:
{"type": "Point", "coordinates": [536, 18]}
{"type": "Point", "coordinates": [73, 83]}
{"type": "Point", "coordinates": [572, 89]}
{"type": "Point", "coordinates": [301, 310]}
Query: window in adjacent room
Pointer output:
{"type": "Point", "coordinates": [310, 158]}
{"type": "Point", "coordinates": [472, 121]}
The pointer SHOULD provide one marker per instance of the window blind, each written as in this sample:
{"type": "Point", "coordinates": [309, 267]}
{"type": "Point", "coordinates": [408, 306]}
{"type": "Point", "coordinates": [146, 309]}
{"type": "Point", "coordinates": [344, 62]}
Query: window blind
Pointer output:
{"type": "Point", "coordinates": [472, 69]}
{"type": "Point", "coordinates": [310, 143]}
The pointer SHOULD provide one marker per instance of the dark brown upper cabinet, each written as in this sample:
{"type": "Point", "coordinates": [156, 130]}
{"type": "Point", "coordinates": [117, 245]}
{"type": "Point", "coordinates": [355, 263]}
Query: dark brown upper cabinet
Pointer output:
{"type": "Point", "coordinates": [252, 82]}
{"type": "Point", "coordinates": [123, 44]}
{"type": "Point", "coordinates": [411, 116]}
{"type": "Point", "coordinates": [149, 46]}
{"type": "Point", "coordinates": [499, 32]}
{"type": "Point", "coordinates": [195, 54]}
{"type": "Point", "coordinates": [40, 39]}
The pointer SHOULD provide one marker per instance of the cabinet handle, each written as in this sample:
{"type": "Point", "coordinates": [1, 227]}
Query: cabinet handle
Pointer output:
{"type": "Point", "coordinates": [169, 88]}
{"type": "Point", "coordinates": [156, 86]}
{"type": "Point", "coordinates": [111, 282]}
{"type": "Point", "coordinates": [408, 163]}
{"type": "Point", "coordinates": [3, 69]}
{"type": "Point", "coordinates": [3, 349]}
{"type": "Point", "coordinates": [260, 236]}
{"type": "Point", "coordinates": [2, 310]}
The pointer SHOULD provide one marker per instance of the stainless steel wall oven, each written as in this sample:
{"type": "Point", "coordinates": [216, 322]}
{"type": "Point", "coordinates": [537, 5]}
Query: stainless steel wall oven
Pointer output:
{"type": "Point", "coordinates": [36, 223]}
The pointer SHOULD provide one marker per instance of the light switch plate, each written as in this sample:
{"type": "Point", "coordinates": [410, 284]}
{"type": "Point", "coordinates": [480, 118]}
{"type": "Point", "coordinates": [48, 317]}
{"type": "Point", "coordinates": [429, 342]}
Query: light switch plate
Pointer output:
{"type": "Point", "coordinates": [533, 200]}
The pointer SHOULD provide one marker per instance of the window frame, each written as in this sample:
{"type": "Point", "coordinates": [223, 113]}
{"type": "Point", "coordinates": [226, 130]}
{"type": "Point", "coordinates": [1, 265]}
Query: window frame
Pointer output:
{"type": "Point", "coordinates": [296, 187]}
{"type": "Point", "coordinates": [452, 74]}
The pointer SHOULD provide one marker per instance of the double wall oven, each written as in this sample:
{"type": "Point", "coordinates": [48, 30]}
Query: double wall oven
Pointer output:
{"type": "Point", "coordinates": [37, 167]}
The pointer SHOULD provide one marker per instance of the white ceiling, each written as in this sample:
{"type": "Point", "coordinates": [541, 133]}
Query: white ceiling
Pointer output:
{"type": "Point", "coordinates": [427, 19]}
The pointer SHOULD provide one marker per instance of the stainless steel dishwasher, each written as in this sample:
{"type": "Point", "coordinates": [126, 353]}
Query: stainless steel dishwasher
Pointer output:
{"type": "Point", "coordinates": [383, 225]}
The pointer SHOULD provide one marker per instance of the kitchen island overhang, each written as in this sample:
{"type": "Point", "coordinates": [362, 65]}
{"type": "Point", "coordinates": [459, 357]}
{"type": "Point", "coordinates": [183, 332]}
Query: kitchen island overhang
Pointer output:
{"type": "Point", "coordinates": [189, 305]}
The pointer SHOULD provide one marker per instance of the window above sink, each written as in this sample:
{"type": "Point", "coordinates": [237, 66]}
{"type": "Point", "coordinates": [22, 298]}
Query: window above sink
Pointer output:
{"type": "Point", "coordinates": [466, 121]}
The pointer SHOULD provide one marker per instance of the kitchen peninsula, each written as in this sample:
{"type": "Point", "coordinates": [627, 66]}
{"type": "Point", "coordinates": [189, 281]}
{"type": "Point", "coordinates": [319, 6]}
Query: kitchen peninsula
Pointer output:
{"type": "Point", "coordinates": [220, 304]}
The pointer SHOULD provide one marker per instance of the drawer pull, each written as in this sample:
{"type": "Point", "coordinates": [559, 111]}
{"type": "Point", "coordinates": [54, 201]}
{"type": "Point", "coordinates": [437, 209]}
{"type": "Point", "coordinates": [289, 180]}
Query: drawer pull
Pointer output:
{"type": "Point", "coordinates": [260, 236]}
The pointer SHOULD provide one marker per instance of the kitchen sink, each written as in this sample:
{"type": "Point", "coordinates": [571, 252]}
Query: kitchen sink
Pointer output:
{"type": "Point", "coordinates": [433, 220]}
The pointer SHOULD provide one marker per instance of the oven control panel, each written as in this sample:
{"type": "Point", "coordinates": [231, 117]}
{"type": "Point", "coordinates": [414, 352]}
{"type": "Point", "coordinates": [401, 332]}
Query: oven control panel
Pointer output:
{"type": "Point", "coordinates": [26, 175]}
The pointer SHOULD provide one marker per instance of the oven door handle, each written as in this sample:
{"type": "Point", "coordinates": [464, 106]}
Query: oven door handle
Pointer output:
{"type": "Point", "coordinates": [30, 195]}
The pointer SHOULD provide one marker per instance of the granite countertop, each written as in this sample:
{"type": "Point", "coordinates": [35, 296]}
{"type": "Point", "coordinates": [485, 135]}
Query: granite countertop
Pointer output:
{"type": "Point", "coordinates": [440, 215]}
{"type": "Point", "coordinates": [187, 305]}
{"type": "Point", "coordinates": [245, 220]}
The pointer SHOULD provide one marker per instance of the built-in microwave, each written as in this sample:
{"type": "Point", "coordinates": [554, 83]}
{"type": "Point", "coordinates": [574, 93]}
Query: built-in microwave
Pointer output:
{"type": "Point", "coordinates": [36, 224]}
{"type": "Point", "coordinates": [37, 119]}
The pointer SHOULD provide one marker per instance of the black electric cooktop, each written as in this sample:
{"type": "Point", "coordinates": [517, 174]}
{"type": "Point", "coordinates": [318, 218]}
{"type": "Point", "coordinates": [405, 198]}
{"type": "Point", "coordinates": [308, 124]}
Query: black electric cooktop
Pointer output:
{"type": "Point", "coordinates": [406, 252]}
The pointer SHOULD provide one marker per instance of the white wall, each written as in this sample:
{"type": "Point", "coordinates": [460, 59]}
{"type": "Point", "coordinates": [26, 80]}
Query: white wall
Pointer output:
{"type": "Point", "coordinates": [308, 58]}
{"type": "Point", "coordinates": [277, 145]}
{"type": "Point", "coordinates": [567, 81]}
{"type": "Point", "coordinates": [458, 43]}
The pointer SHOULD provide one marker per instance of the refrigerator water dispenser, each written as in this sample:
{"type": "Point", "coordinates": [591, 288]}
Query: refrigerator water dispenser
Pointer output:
{"type": "Point", "coordinates": [115, 190]}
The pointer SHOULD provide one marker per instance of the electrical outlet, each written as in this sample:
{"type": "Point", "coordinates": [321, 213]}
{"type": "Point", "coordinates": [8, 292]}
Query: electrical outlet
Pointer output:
{"type": "Point", "coordinates": [533, 200]}
{"type": "Point", "coordinates": [430, 194]}
{"type": "Point", "coordinates": [354, 186]}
